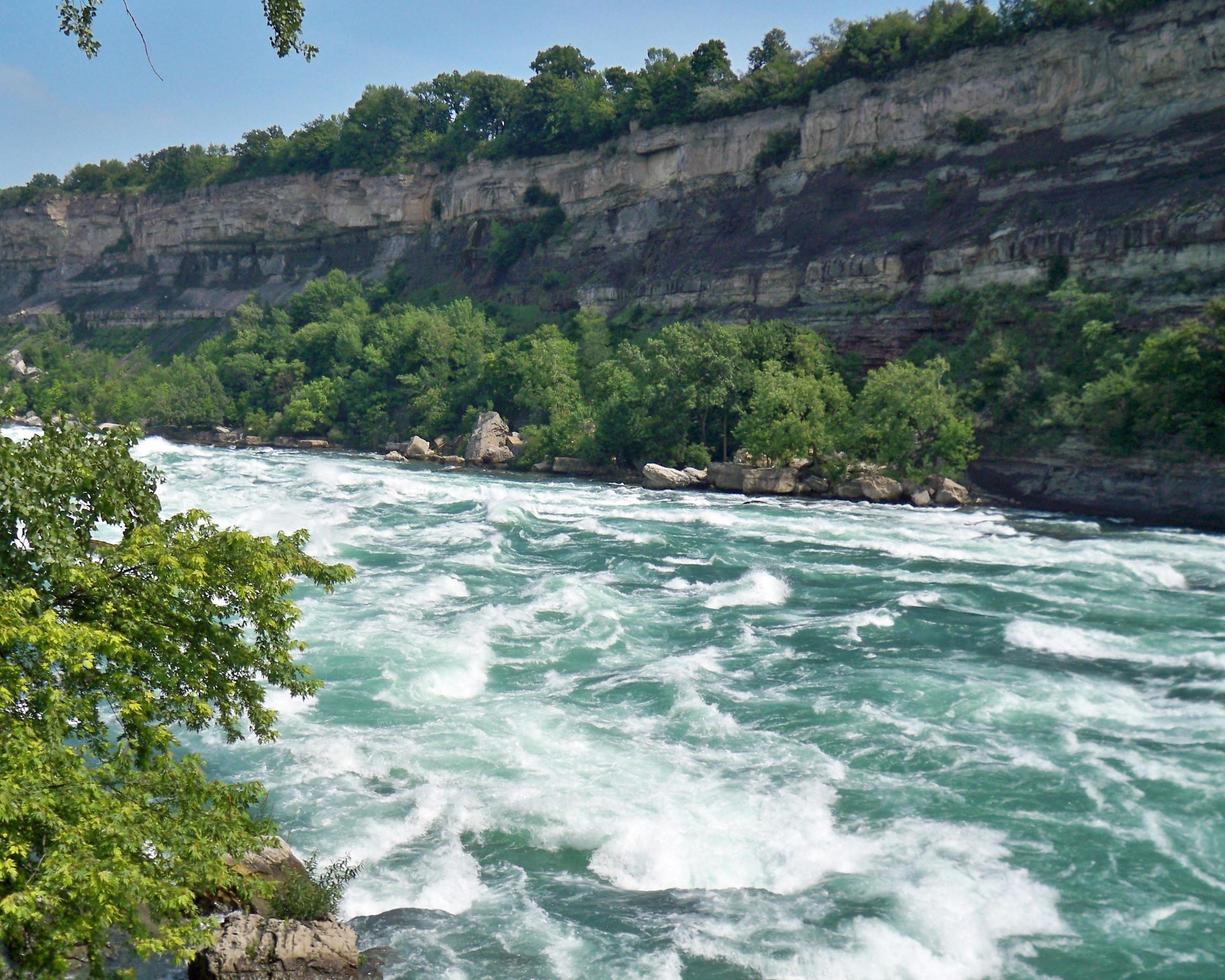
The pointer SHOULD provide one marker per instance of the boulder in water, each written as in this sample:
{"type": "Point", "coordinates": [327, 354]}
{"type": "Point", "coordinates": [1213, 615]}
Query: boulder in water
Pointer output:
{"type": "Point", "coordinates": [874, 487]}
{"type": "Point", "coordinates": [696, 475]}
{"type": "Point", "coordinates": [251, 947]}
{"type": "Point", "coordinates": [418, 448]}
{"type": "Point", "coordinates": [656, 477]}
{"type": "Point", "coordinates": [394, 457]}
{"type": "Point", "coordinates": [753, 479]}
{"type": "Point", "coordinates": [770, 479]}
{"type": "Point", "coordinates": [946, 493]}
{"type": "Point", "coordinates": [921, 498]}
{"type": "Point", "coordinates": [488, 443]}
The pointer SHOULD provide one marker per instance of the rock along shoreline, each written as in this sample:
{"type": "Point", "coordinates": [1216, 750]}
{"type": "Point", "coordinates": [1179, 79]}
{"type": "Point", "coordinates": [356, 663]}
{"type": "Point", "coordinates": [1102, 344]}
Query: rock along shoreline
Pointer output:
{"type": "Point", "coordinates": [1072, 480]}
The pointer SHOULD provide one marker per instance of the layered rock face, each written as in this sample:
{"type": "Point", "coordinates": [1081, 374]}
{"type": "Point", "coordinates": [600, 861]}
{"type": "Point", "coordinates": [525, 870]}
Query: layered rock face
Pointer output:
{"type": "Point", "coordinates": [1100, 148]}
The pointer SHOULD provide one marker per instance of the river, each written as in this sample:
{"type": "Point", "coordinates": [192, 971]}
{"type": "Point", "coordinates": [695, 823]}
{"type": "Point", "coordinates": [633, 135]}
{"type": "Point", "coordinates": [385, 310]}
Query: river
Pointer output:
{"type": "Point", "coordinates": [579, 730]}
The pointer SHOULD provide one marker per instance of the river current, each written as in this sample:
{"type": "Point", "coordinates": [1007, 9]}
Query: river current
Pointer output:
{"type": "Point", "coordinates": [578, 730]}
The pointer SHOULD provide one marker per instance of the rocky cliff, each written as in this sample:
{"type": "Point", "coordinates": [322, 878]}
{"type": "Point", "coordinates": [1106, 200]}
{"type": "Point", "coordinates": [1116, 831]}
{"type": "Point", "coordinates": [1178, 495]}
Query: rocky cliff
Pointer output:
{"type": "Point", "coordinates": [1104, 145]}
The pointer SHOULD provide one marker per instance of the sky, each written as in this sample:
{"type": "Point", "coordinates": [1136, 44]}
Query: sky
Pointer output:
{"type": "Point", "coordinates": [58, 108]}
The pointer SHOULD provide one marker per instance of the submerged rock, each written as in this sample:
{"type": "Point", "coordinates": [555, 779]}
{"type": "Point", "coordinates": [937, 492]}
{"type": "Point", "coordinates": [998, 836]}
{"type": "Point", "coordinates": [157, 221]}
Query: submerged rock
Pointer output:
{"type": "Point", "coordinates": [488, 443]}
{"type": "Point", "coordinates": [251, 947]}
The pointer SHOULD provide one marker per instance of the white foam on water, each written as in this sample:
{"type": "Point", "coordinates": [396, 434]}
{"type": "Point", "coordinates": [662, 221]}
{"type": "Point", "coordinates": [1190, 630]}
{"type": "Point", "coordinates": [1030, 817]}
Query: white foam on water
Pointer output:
{"type": "Point", "coordinates": [781, 841]}
{"type": "Point", "coordinates": [621, 726]}
{"type": "Point", "coordinates": [447, 879]}
{"type": "Point", "coordinates": [756, 588]}
{"type": "Point", "coordinates": [880, 619]}
{"type": "Point", "coordinates": [954, 907]}
{"type": "Point", "coordinates": [1157, 573]}
{"type": "Point", "coordinates": [438, 588]}
{"type": "Point", "coordinates": [286, 705]}
{"type": "Point", "coordinates": [1070, 641]}
{"type": "Point", "coordinates": [912, 600]}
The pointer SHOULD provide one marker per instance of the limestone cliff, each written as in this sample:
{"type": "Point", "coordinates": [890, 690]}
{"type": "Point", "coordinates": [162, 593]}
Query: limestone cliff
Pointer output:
{"type": "Point", "coordinates": [1103, 144]}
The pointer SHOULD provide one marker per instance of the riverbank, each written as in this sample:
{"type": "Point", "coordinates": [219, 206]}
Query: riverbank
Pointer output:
{"type": "Point", "coordinates": [1074, 479]}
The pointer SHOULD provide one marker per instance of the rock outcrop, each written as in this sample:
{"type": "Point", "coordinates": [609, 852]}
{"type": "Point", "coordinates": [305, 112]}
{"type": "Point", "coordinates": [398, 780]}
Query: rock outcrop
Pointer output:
{"type": "Point", "coordinates": [489, 442]}
{"type": "Point", "coordinates": [875, 488]}
{"type": "Point", "coordinates": [1102, 149]}
{"type": "Point", "coordinates": [753, 479]}
{"type": "Point", "coordinates": [18, 369]}
{"type": "Point", "coordinates": [1077, 479]}
{"type": "Point", "coordinates": [251, 947]}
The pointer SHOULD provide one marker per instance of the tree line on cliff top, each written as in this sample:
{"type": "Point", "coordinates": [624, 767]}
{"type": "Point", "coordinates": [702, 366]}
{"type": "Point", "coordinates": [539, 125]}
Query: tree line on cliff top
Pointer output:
{"type": "Point", "coordinates": [352, 364]}
{"type": "Point", "coordinates": [568, 104]}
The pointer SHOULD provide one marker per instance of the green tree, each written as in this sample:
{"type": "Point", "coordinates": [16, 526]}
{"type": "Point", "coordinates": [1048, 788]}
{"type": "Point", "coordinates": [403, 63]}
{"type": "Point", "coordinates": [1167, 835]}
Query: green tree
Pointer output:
{"type": "Point", "coordinates": [541, 372]}
{"type": "Point", "coordinates": [908, 419]}
{"type": "Point", "coordinates": [792, 415]}
{"type": "Point", "coordinates": [107, 647]}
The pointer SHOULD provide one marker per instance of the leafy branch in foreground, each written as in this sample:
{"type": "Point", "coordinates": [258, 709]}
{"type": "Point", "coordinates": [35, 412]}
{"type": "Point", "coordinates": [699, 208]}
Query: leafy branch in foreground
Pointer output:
{"type": "Point", "coordinates": [284, 17]}
{"type": "Point", "coordinates": [106, 827]}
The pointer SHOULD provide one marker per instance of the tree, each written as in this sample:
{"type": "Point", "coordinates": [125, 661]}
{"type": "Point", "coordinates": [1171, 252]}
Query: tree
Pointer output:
{"type": "Point", "coordinates": [791, 414]}
{"type": "Point", "coordinates": [283, 16]}
{"type": "Point", "coordinates": [908, 420]}
{"type": "Point", "coordinates": [117, 627]}
{"type": "Point", "coordinates": [773, 48]}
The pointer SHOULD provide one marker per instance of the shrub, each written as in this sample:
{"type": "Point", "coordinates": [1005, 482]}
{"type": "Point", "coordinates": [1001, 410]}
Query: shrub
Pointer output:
{"type": "Point", "coordinates": [313, 894]}
{"type": "Point", "coordinates": [970, 131]}
{"type": "Point", "coordinates": [778, 149]}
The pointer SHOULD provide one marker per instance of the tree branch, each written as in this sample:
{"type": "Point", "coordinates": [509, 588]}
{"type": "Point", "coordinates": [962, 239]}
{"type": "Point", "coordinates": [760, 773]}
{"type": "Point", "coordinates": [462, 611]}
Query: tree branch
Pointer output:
{"type": "Point", "coordinates": [142, 41]}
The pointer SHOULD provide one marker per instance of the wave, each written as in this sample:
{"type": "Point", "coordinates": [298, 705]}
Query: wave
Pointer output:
{"type": "Point", "coordinates": [757, 588]}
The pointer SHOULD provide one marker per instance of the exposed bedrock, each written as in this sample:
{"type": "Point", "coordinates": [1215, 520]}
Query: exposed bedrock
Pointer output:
{"type": "Point", "coordinates": [1106, 146]}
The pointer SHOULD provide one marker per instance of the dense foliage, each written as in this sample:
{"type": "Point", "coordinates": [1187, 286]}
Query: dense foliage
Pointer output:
{"type": "Point", "coordinates": [118, 627]}
{"type": "Point", "coordinates": [343, 362]}
{"type": "Point", "coordinates": [1038, 367]}
{"type": "Point", "coordinates": [568, 104]}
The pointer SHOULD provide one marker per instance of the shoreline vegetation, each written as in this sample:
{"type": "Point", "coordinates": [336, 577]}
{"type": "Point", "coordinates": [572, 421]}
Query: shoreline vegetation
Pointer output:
{"type": "Point", "coordinates": [568, 104]}
{"type": "Point", "coordinates": [1023, 371]}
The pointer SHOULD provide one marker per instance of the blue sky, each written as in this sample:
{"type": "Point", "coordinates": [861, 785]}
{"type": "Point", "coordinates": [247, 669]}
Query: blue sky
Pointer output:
{"type": "Point", "coordinates": [58, 109]}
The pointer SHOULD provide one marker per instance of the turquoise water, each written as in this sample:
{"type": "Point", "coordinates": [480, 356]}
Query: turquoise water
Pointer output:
{"type": "Point", "coordinates": [574, 730]}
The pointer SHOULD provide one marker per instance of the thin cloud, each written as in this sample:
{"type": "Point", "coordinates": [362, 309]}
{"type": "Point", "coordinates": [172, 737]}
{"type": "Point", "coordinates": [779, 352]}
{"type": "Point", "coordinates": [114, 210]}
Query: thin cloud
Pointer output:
{"type": "Point", "coordinates": [20, 85]}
